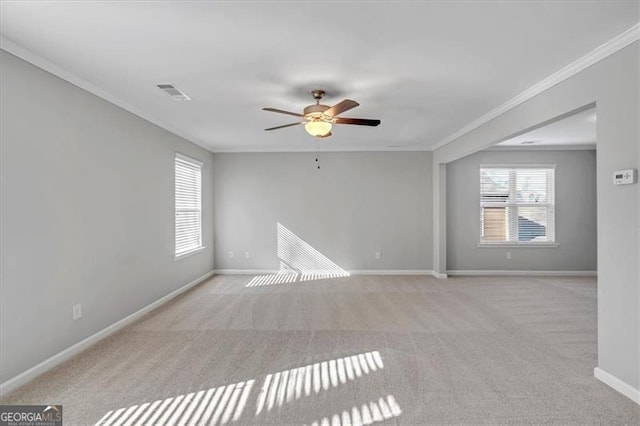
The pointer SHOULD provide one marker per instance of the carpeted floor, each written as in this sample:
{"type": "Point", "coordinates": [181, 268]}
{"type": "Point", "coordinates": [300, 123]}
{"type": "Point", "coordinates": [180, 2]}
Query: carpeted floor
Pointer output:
{"type": "Point", "coordinates": [357, 350]}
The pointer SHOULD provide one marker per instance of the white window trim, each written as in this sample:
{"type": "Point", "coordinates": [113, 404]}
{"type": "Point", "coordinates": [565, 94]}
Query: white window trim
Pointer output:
{"type": "Point", "coordinates": [202, 247]}
{"type": "Point", "coordinates": [522, 244]}
{"type": "Point", "coordinates": [189, 159]}
{"type": "Point", "coordinates": [517, 166]}
{"type": "Point", "coordinates": [189, 253]}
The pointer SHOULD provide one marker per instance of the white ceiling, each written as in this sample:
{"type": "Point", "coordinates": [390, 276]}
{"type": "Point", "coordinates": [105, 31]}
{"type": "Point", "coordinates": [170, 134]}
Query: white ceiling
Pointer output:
{"type": "Point", "coordinates": [577, 130]}
{"type": "Point", "coordinates": [425, 69]}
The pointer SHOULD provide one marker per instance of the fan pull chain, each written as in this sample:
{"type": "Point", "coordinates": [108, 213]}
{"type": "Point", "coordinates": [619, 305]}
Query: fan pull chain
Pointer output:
{"type": "Point", "coordinates": [317, 154]}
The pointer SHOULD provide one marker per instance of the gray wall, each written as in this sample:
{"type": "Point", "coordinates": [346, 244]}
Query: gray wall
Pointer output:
{"type": "Point", "coordinates": [87, 215]}
{"type": "Point", "coordinates": [356, 204]}
{"type": "Point", "coordinates": [613, 85]}
{"type": "Point", "coordinates": [576, 228]}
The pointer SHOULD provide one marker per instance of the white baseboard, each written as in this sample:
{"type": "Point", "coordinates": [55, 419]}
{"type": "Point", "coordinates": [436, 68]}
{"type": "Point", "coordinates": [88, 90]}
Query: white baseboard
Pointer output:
{"type": "Point", "coordinates": [390, 272]}
{"type": "Point", "coordinates": [354, 272]}
{"type": "Point", "coordinates": [60, 357]}
{"type": "Point", "coordinates": [245, 271]}
{"type": "Point", "coordinates": [484, 272]}
{"type": "Point", "coordinates": [480, 272]}
{"type": "Point", "coordinates": [617, 384]}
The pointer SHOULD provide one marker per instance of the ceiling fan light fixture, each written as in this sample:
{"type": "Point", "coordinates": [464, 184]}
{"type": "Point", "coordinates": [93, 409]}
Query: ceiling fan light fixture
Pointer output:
{"type": "Point", "coordinates": [318, 119]}
{"type": "Point", "coordinates": [318, 128]}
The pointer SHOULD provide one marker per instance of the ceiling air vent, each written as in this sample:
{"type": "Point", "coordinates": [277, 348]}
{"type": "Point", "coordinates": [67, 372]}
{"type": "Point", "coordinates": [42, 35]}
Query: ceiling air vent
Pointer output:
{"type": "Point", "coordinates": [176, 94]}
{"type": "Point", "coordinates": [528, 142]}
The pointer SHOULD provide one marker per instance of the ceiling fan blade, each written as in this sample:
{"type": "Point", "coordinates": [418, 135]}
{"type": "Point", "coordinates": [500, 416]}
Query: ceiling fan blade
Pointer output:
{"type": "Point", "coordinates": [358, 121]}
{"type": "Point", "coordinates": [283, 126]}
{"type": "Point", "coordinates": [341, 107]}
{"type": "Point", "coordinates": [282, 111]}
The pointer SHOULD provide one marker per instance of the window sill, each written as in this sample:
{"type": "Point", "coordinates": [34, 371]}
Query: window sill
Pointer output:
{"type": "Point", "coordinates": [513, 245]}
{"type": "Point", "coordinates": [189, 253]}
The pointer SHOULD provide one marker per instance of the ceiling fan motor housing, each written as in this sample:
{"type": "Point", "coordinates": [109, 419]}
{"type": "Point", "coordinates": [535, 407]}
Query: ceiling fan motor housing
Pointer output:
{"type": "Point", "coordinates": [315, 111]}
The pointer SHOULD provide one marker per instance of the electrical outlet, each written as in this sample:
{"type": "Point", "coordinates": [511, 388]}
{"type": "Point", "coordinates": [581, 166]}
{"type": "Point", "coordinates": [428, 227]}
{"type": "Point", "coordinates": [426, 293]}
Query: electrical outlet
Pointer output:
{"type": "Point", "coordinates": [509, 255]}
{"type": "Point", "coordinates": [377, 255]}
{"type": "Point", "coordinates": [247, 255]}
{"type": "Point", "coordinates": [77, 311]}
{"type": "Point", "coordinates": [231, 256]}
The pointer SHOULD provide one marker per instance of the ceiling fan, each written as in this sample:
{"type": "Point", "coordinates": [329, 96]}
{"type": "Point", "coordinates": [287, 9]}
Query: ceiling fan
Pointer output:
{"type": "Point", "coordinates": [318, 119]}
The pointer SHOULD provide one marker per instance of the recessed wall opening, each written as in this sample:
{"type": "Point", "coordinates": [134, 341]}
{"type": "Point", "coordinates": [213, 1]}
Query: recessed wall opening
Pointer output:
{"type": "Point", "coordinates": [528, 203]}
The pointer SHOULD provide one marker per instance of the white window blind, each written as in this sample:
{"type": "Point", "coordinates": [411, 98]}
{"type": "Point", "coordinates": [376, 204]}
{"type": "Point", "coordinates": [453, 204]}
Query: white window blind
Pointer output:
{"type": "Point", "coordinates": [188, 194]}
{"type": "Point", "coordinates": [517, 204]}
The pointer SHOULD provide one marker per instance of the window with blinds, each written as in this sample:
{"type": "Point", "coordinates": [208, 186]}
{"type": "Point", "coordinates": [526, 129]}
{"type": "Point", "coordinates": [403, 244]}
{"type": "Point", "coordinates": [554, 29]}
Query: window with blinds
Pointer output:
{"type": "Point", "coordinates": [188, 195]}
{"type": "Point", "coordinates": [517, 204]}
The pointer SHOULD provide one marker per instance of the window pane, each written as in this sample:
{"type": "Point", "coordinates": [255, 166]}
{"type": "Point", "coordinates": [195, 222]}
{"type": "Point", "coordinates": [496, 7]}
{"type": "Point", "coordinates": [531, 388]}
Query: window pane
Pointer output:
{"type": "Point", "coordinates": [494, 185]}
{"type": "Point", "coordinates": [494, 224]}
{"type": "Point", "coordinates": [533, 223]}
{"type": "Point", "coordinates": [188, 205]}
{"type": "Point", "coordinates": [517, 204]}
{"type": "Point", "coordinates": [532, 185]}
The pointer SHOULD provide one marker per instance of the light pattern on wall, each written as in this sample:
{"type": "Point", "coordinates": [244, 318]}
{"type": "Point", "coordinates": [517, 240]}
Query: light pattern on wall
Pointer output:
{"type": "Point", "coordinates": [299, 262]}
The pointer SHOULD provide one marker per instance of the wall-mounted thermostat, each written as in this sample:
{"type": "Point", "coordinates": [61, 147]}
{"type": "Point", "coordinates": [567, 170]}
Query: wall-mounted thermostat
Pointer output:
{"type": "Point", "coordinates": [625, 177]}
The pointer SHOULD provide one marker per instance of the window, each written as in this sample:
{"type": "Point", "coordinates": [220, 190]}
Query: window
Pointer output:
{"type": "Point", "coordinates": [188, 193]}
{"type": "Point", "coordinates": [517, 204]}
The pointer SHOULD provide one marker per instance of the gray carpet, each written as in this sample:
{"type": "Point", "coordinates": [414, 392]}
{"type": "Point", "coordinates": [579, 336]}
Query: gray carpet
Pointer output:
{"type": "Point", "coordinates": [358, 350]}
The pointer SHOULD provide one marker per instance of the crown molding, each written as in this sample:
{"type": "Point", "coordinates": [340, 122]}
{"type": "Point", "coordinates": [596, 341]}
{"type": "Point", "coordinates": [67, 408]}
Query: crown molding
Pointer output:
{"type": "Point", "coordinates": [52, 68]}
{"type": "Point", "coordinates": [574, 147]}
{"type": "Point", "coordinates": [612, 46]}
{"type": "Point", "coordinates": [312, 150]}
